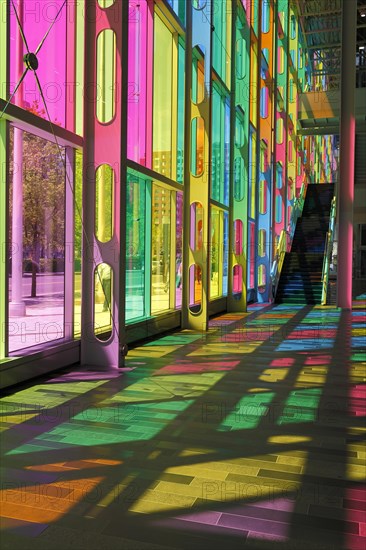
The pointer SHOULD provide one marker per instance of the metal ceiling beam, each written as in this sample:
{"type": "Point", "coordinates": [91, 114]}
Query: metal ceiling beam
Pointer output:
{"type": "Point", "coordinates": [332, 14]}
{"type": "Point", "coordinates": [317, 31]}
{"type": "Point", "coordinates": [325, 46]}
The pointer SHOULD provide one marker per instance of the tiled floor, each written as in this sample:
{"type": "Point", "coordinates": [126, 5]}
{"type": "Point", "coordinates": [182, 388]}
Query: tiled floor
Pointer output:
{"type": "Point", "coordinates": [249, 436]}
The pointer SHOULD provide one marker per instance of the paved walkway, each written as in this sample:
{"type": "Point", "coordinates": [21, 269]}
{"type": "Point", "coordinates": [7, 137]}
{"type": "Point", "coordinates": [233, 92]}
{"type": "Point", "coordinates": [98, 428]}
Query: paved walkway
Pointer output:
{"type": "Point", "coordinates": [249, 436]}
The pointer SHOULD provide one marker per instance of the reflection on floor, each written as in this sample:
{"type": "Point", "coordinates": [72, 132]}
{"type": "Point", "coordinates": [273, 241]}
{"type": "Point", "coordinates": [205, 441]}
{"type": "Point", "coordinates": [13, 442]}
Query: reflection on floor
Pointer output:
{"type": "Point", "coordinates": [250, 435]}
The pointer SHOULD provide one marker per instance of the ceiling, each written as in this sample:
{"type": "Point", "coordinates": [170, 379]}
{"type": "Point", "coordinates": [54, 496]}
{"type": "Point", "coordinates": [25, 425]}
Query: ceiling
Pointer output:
{"type": "Point", "coordinates": [320, 22]}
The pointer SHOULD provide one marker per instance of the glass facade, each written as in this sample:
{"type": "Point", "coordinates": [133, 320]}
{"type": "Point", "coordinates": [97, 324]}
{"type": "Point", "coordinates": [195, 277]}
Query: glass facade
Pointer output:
{"type": "Point", "coordinates": [170, 195]}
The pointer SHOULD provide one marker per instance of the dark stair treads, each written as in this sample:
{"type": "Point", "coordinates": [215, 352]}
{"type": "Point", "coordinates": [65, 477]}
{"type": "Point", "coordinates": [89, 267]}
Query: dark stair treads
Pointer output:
{"type": "Point", "coordinates": [300, 281]}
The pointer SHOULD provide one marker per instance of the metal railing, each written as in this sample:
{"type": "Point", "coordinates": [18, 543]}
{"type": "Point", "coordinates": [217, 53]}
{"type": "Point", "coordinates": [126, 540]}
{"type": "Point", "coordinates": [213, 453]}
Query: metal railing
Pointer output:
{"type": "Point", "coordinates": [328, 250]}
{"type": "Point", "coordinates": [285, 240]}
{"type": "Point", "coordinates": [296, 213]}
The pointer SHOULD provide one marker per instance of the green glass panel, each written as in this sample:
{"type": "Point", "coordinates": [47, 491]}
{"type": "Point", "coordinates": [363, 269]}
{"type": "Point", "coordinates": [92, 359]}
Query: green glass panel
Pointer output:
{"type": "Point", "coordinates": [136, 211]}
{"type": "Point", "coordinates": [217, 146]}
{"type": "Point", "coordinates": [161, 247]}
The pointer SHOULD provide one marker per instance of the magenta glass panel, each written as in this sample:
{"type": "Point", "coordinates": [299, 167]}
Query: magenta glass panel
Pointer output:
{"type": "Point", "coordinates": [251, 254]}
{"type": "Point", "coordinates": [138, 81]}
{"type": "Point", "coordinates": [179, 251]}
{"type": "Point", "coordinates": [238, 237]}
{"type": "Point", "coordinates": [237, 279]}
{"type": "Point", "coordinates": [37, 17]}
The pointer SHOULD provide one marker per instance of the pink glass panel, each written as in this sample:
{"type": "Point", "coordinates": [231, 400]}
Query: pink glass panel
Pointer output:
{"type": "Point", "coordinates": [237, 279]}
{"type": "Point", "coordinates": [196, 226]}
{"type": "Point", "coordinates": [238, 237]}
{"type": "Point", "coordinates": [179, 251]}
{"type": "Point", "coordinates": [251, 254]}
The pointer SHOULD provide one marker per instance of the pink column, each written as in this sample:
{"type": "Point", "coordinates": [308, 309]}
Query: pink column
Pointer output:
{"type": "Point", "coordinates": [347, 155]}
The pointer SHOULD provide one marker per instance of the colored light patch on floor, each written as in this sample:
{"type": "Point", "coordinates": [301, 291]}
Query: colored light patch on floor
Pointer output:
{"type": "Point", "coordinates": [224, 349]}
{"type": "Point", "coordinates": [358, 331]}
{"type": "Point", "coordinates": [243, 484]}
{"type": "Point", "coordinates": [312, 333]}
{"type": "Point", "coordinates": [245, 335]}
{"type": "Point", "coordinates": [317, 359]}
{"type": "Point", "coordinates": [357, 472]}
{"type": "Point", "coordinates": [301, 406]}
{"type": "Point", "coordinates": [269, 322]}
{"type": "Point", "coordinates": [275, 317]}
{"type": "Point", "coordinates": [165, 387]}
{"type": "Point", "coordinates": [225, 492]}
{"type": "Point", "coordinates": [310, 344]}
{"type": "Point", "coordinates": [74, 465]}
{"type": "Point", "coordinates": [357, 373]}
{"type": "Point", "coordinates": [10, 420]}
{"type": "Point", "coordinates": [288, 439]}
{"type": "Point", "coordinates": [273, 375]}
{"type": "Point", "coordinates": [282, 362]}
{"type": "Point", "coordinates": [311, 376]}
{"type": "Point", "coordinates": [196, 368]}
{"type": "Point", "coordinates": [180, 339]}
{"type": "Point", "coordinates": [357, 400]}
{"type": "Point", "coordinates": [358, 357]}
{"type": "Point", "coordinates": [45, 503]}
{"type": "Point", "coordinates": [358, 342]}
{"type": "Point", "coordinates": [152, 351]}
{"type": "Point", "coordinates": [140, 423]}
{"type": "Point", "coordinates": [248, 412]}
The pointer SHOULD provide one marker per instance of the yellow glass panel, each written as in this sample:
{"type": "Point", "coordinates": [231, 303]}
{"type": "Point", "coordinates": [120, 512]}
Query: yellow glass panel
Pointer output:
{"type": "Point", "coordinates": [198, 77]}
{"type": "Point", "coordinates": [106, 3]}
{"type": "Point", "coordinates": [162, 114]}
{"type": "Point", "coordinates": [195, 288]}
{"type": "Point", "coordinates": [262, 243]}
{"type": "Point", "coordinates": [78, 182]}
{"type": "Point", "coordinates": [104, 184]}
{"type": "Point", "coordinates": [106, 75]}
{"type": "Point", "coordinates": [102, 298]}
{"type": "Point", "coordinates": [261, 277]}
{"type": "Point", "coordinates": [197, 146]}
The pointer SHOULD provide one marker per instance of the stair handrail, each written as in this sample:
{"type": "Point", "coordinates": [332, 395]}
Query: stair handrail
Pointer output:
{"type": "Point", "coordinates": [286, 237]}
{"type": "Point", "coordinates": [328, 249]}
{"type": "Point", "coordinates": [279, 257]}
{"type": "Point", "coordinates": [296, 212]}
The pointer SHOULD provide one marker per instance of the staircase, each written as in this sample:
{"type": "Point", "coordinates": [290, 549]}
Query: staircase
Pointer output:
{"type": "Point", "coordinates": [301, 275]}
